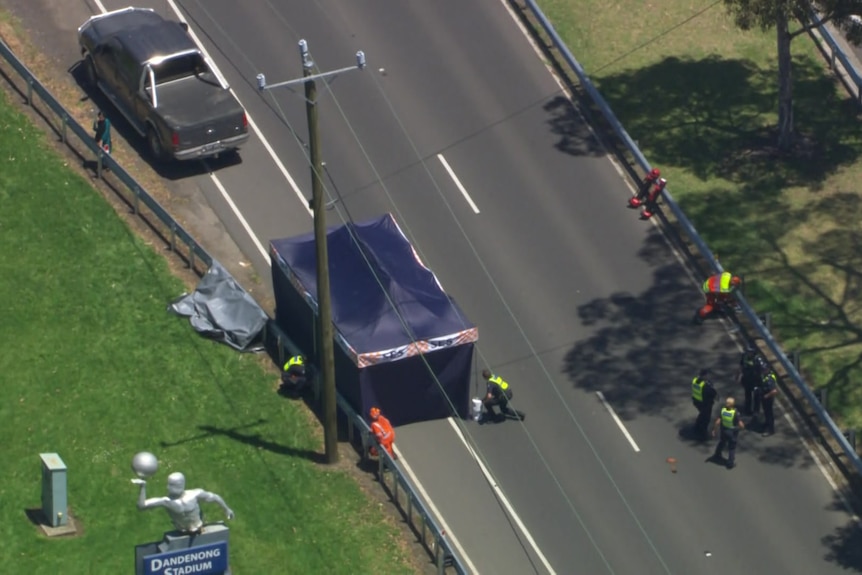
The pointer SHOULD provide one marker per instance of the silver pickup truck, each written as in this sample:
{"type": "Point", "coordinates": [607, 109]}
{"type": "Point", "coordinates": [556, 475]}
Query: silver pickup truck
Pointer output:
{"type": "Point", "coordinates": [158, 78]}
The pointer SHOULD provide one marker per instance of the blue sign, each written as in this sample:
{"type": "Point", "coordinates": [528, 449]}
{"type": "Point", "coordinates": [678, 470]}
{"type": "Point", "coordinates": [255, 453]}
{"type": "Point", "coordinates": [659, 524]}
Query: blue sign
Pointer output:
{"type": "Point", "coordinates": [203, 560]}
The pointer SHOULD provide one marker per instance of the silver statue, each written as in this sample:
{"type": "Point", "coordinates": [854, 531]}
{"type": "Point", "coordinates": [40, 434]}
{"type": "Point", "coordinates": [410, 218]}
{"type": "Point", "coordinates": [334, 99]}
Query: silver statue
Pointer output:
{"type": "Point", "coordinates": [182, 505]}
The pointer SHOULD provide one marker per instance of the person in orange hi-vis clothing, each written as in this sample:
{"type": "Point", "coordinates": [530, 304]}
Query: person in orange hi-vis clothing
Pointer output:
{"type": "Point", "coordinates": [718, 290]}
{"type": "Point", "coordinates": [383, 431]}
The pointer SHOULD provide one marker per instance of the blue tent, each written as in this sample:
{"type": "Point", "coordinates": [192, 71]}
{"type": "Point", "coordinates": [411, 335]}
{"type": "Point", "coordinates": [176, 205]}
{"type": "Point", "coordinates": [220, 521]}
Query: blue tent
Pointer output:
{"type": "Point", "coordinates": [403, 344]}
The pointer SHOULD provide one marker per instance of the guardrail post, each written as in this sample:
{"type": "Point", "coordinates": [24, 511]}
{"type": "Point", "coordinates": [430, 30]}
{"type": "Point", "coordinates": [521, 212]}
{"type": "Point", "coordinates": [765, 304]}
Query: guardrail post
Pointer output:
{"type": "Point", "coordinates": [767, 321]}
{"type": "Point", "coordinates": [850, 434]}
{"type": "Point", "coordinates": [364, 438]}
{"type": "Point", "coordinates": [409, 508]}
{"type": "Point", "coordinates": [99, 163]}
{"type": "Point", "coordinates": [192, 251]}
{"type": "Point", "coordinates": [65, 122]}
{"type": "Point", "coordinates": [136, 204]}
{"type": "Point", "coordinates": [794, 358]}
{"type": "Point", "coordinates": [350, 432]}
{"type": "Point", "coordinates": [831, 59]}
{"type": "Point", "coordinates": [30, 91]}
{"type": "Point", "coordinates": [173, 236]}
{"type": "Point", "coordinates": [438, 557]}
{"type": "Point", "coordinates": [823, 396]}
{"type": "Point", "coordinates": [395, 485]}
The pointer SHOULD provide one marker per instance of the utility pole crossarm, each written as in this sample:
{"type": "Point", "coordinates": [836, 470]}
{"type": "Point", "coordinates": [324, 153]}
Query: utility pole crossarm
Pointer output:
{"type": "Point", "coordinates": [303, 48]}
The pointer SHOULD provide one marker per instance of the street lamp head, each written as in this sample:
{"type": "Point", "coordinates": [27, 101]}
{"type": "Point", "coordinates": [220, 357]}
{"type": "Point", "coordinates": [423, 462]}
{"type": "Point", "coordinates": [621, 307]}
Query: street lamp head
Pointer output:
{"type": "Point", "coordinates": [360, 60]}
{"type": "Point", "coordinates": [261, 82]}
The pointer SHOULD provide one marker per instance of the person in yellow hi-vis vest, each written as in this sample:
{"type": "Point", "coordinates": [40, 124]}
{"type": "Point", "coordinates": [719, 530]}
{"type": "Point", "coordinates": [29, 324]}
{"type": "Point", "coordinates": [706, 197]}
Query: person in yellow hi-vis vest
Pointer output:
{"type": "Point", "coordinates": [498, 393]}
{"type": "Point", "coordinates": [730, 424]}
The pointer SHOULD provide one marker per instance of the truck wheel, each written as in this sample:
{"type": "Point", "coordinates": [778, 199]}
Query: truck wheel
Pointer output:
{"type": "Point", "coordinates": [90, 74]}
{"type": "Point", "coordinates": [155, 144]}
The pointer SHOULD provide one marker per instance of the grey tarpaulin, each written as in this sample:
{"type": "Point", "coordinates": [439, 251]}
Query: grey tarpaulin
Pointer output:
{"type": "Point", "coordinates": [221, 310]}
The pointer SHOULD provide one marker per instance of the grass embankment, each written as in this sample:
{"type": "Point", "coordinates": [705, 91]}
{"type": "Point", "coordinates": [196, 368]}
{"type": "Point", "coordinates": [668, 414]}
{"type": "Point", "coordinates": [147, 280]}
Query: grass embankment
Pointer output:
{"type": "Point", "coordinates": [94, 368]}
{"type": "Point", "coordinates": [701, 100]}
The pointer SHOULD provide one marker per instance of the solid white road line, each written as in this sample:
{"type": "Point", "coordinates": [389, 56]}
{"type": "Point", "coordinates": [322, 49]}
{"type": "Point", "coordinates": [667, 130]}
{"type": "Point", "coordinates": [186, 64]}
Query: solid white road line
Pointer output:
{"type": "Point", "coordinates": [251, 124]}
{"type": "Point", "coordinates": [457, 182]}
{"type": "Point", "coordinates": [619, 422]}
{"type": "Point", "coordinates": [437, 515]}
{"type": "Point", "coordinates": [100, 6]}
{"type": "Point", "coordinates": [499, 492]}
{"type": "Point", "coordinates": [241, 218]}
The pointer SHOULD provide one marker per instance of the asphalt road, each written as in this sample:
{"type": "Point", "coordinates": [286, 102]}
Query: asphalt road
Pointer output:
{"type": "Point", "coordinates": [572, 294]}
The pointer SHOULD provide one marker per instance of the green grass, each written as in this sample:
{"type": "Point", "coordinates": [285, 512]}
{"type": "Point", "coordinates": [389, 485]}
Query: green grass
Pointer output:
{"type": "Point", "coordinates": [701, 101]}
{"type": "Point", "coordinates": [95, 369]}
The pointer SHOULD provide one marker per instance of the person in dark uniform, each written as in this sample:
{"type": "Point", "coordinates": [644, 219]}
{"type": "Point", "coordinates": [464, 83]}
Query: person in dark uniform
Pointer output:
{"type": "Point", "coordinates": [768, 390]}
{"type": "Point", "coordinates": [498, 393]}
{"type": "Point", "coordinates": [748, 378]}
{"type": "Point", "coordinates": [730, 424]}
{"type": "Point", "coordinates": [703, 396]}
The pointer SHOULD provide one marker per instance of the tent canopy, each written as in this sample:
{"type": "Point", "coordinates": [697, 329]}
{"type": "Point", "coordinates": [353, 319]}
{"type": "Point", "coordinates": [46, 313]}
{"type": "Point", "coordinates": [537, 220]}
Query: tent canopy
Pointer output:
{"type": "Point", "coordinates": [373, 267]}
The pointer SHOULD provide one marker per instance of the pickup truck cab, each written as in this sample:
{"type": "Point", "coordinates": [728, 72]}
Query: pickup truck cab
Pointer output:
{"type": "Point", "coordinates": [158, 78]}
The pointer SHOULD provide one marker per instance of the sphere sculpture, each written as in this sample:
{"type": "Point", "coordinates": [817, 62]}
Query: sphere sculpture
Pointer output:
{"type": "Point", "coordinates": [145, 464]}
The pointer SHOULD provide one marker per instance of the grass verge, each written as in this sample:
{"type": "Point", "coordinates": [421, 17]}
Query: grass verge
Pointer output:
{"type": "Point", "coordinates": [700, 98]}
{"type": "Point", "coordinates": [94, 368]}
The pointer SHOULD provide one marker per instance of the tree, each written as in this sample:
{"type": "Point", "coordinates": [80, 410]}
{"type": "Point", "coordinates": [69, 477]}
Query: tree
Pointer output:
{"type": "Point", "coordinates": [766, 14]}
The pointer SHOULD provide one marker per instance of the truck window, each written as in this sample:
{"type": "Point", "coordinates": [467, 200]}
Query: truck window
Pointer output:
{"type": "Point", "coordinates": [180, 67]}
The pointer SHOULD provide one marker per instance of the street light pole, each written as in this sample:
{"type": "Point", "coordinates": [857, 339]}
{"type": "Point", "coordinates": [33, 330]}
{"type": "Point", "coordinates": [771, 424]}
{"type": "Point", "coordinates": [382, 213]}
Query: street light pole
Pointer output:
{"type": "Point", "coordinates": [318, 208]}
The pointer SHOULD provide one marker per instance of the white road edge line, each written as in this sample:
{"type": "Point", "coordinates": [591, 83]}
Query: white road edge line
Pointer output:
{"type": "Point", "coordinates": [242, 219]}
{"type": "Point", "coordinates": [437, 515]}
{"type": "Point", "coordinates": [499, 492]}
{"type": "Point", "coordinates": [618, 421]}
{"type": "Point", "coordinates": [457, 182]}
{"type": "Point", "coordinates": [251, 123]}
{"type": "Point", "coordinates": [100, 6]}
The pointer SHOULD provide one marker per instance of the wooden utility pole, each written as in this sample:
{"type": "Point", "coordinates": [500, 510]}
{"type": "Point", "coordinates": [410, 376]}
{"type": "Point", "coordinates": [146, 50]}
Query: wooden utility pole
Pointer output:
{"type": "Point", "coordinates": [326, 357]}
{"type": "Point", "coordinates": [324, 296]}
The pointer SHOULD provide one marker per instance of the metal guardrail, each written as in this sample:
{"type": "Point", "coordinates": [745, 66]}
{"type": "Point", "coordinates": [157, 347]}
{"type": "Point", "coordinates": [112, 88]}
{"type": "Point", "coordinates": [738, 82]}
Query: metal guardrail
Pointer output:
{"type": "Point", "coordinates": [836, 53]}
{"type": "Point", "coordinates": [438, 544]}
{"type": "Point", "coordinates": [139, 195]}
{"type": "Point", "coordinates": [432, 536]}
{"type": "Point", "coordinates": [695, 238]}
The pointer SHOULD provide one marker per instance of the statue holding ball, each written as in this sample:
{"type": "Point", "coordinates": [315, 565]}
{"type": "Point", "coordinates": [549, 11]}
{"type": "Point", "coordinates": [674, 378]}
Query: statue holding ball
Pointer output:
{"type": "Point", "coordinates": [182, 505]}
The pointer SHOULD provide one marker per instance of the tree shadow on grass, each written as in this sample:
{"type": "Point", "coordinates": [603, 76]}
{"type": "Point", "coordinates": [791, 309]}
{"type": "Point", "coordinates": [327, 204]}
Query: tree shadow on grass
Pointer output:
{"type": "Point", "coordinates": [255, 440]}
{"type": "Point", "coordinates": [715, 117]}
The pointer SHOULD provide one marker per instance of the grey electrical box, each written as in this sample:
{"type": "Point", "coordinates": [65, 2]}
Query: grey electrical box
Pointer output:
{"type": "Point", "coordinates": [54, 502]}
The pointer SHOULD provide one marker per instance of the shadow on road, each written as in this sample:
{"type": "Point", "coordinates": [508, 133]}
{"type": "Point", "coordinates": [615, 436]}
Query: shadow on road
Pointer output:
{"type": "Point", "coordinates": [576, 138]}
{"type": "Point", "coordinates": [844, 546]}
{"type": "Point", "coordinates": [645, 350]}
